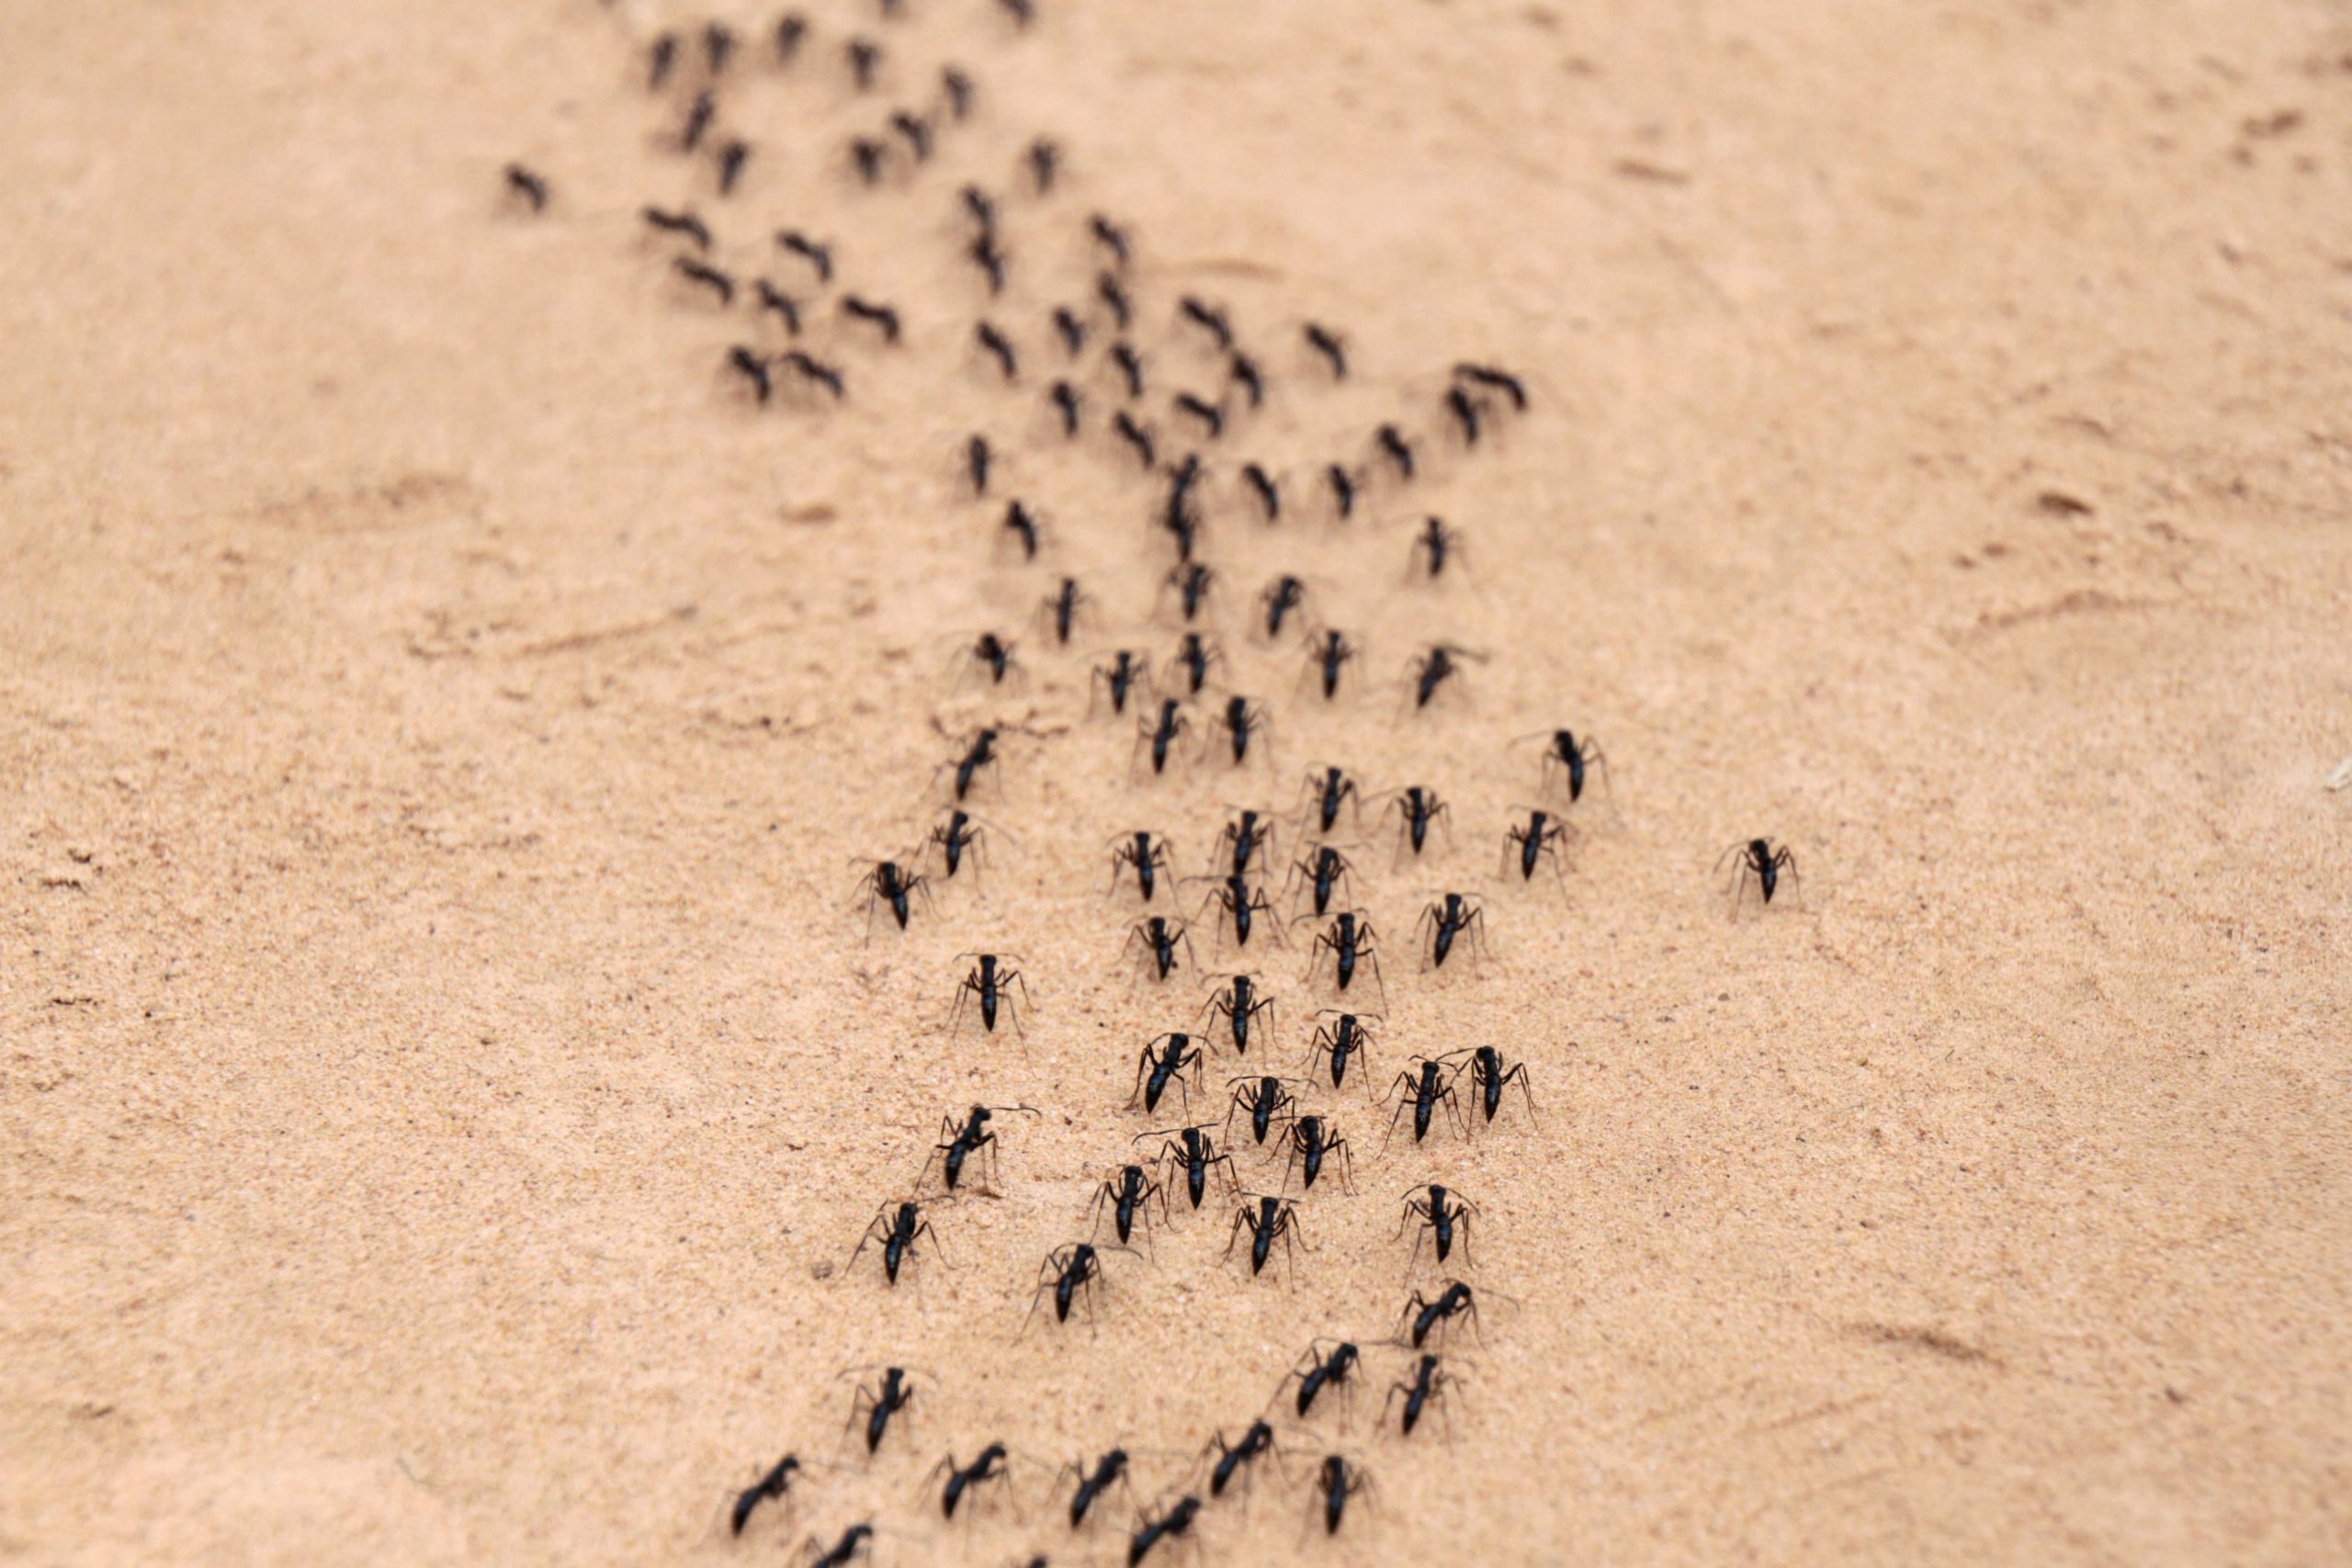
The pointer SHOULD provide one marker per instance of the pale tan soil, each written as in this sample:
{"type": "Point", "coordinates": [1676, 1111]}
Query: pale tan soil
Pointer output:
{"type": "Point", "coordinates": [443, 1079]}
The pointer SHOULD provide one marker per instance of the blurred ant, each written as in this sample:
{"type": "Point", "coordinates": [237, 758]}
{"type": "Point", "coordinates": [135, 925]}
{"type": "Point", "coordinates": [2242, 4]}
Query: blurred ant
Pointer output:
{"type": "Point", "coordinates": [964, 1480]}
{"type": "Point", "coordinates": [899, 1226]}
{"type": "Point", "coordinates": [699, 116]}
{"type": "Point", "coordinates": [1130, 1194]}
{"type": "Point", "coordinates": [1425, 1315]}
{"type": "Point", "coordinates": [1241, 719]}
{"type": "Point", "coordinates": [1323, 341]}
{"type": "Point", "coordinates": [858, 1539]}
{"type": "Point", "coordinates": [1022, 524]}
{"type": "Point", "coordinates": [1192, 582]}
{"type": "Point", "coordinates": [660, 58]}
{"type": "Point", "coordinates": [1339, 1042]}
{"type": "Point", "coordinates": [988, 981]}
{"type": "Point", "coordinates": [718, 43]}
{"type": "Point", "coordinates": [769, 1486]}
{"type": "Point", "coordinates": [1211, 416]}
{"type": "Point", "coordinates": [684, 223]}
{"type": "Point", "coordinates": [998, 348]}
{"type": "Point", "coordinates": [880, 316]}
{"type": "Point", "coordinates": [1261, 483]}
{"type": "Point", "coordinates": [1542, 837]}
{"type": "Point", "coordinates": [915, 131]}
{"type": "Point", "coordinates": [1110, 236]}
{"type": "Point", "coordinates": [1335, 1483]}
{"type": "Point", "coordinates": [1272, 1219]}
{"type": "Point", "coordinates": [1258, 1441]}
{"type": "Point", "coordinates": [993, 654]}
{"type": "Point", "coordinates": [1440, 1210]}
{"type": "Point", "coordinates": [1427, 1381]}
{"type": "Point", "coordinates": [1243, 372]}
{"type": "Point", "coordinates": [1241, 903]}
{"type": "Point", "coordinates": [1396, 448]}
{"type": "Point", "coordinates": [982, 210]}
{"type": "Point", "coordinates": [1095, 1482]}
{"type": "Point", "coordinates": [1498, 380]}
{"type": "Point", "coordinates": [1159, 937]}
{"type": "Point", "coordinates": [1425, 1086]}
{"type": "Point", "coordinates": [1564, 751]}
{"type": "Point", "coordinates": [1239, 1004]}
{"type": "Point", "coordinates": [1044, 159]}
{"type": "Point", "coordinates": [960, 834]}
{"type": "Point", "coordinates": [1326, 657]}
{"type": "Point", "coordinates": [1126, 669]}
{"type": "Point", "coordinates": [1113, 295]}
{"type": "Point", "coordinates": [1195, 655]}
{"type": "Point", "coordinates": [820, 256]}
{"type": "Point", "coordinates": [732, 159]}
{"type": "Point", "coordinates": [1350, 942]}
{"type": "Point", "coordinates": [782, 304]}
{"type": "Point", "coordinates": [753, 368]}
{"type": "Point", "coordinates": [985, 255]}
{"type": "Point", "coordinates": [879, 1404]}
{"type": "Point", "coordinates": [871, 158]}
{"type": "Point", "coordinates": [1431, 668]}
{"type": "Point", "coordinates": [1066, 403]}
{"type": "Point", "coordinates": [710, 277]}
{"type": "Point", "coordinates": [1265, 1099]}
{"type": "Point", "coordinates": [1331, 789]}
{"type": "Point", "coordinates": [1068, 1272]}
{"type": "Point", "coordinates": [1070, 330]}
{"type": "Point", "coordinates": [957, 85]}
{"type": "Point", "coordinates": [863, 56]}
{"type": "Point", "coordinates": [1149, 1531]}
{"type": "Point", "coordinates": [1139, 849]}
{"type": "Point", "coordinates": [1321, 873]}
{"type": "Point", "coordinates": [1465, 409]}
{"type": "Point", "coordinates": [817, 371]}
{"type": "Point", "coordinates": [1489, 1077]}
{"type": "Point", "coordinates": [891, 884]}
{"type": "Point", "coordinates": [1161, 733]}
{"type": "Point", "coordinates": [1312, 1141]}
{"type": "Point", "coordinates": [1280, 599]}
{"type": "Point", "coordinates": [1456, 914]}
{"type": "Point", "coordinates": [790, 29]}
{"type": "Point", "coordinates": [1130, 366]}
{"type": "Point", "coordinates": [1064, 608]}
{"type": "Point", "coordinates": [979, 753]}
{"type": "Point", "coordinates": [979, 458]}
{"type": "Point", "coordinates": [530, 186]}
{"type": "Point", "coordinates": [1343, 490]}
{"type": "Point", "coordinates": [1436, 543]}
{"type": "Point", "coordinates": [1242, 841]}
{"type": "Point", "coordinates": [1416, 809]}
{"type": "Point", "coordinates": [1759, 863]}
{"type": "Point", "coordinates": [1155, 1070]}
{"type": "Point", "coordinates": [1136, 436]}
{"type": "Point", "coordinates": [1209, 319]}
{"type": "Point", "coordinates": [965, 1139]}
{"type": "Point", "coordinates": [1315, 1371]}
{"type": "Point", "coordinates": [1192, 1150]}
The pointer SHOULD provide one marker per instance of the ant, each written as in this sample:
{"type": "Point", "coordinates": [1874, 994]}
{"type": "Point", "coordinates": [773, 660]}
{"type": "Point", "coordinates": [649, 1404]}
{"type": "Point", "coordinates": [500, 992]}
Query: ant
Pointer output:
{"type": "Point", "coordinates": [1063, 608]}
{"type": "Point", "coordinates": [1241, 719]}
{"type": "Point", "coordinates": [789, 31]}
{"type": "Point", "coordinates": [1428, 1380]}
{"type": "Point", "coordinates": [990, 1466]}
{"type": "Point", "coordinates": [1240, 903]}
{"type": "Point", "coordinates": [1330, 789]}
{"type": "Point", "coordinates": [1045, 158]}
{"type": "Point", "coordinates": [1258, 1441]}
{"type": "Point", "coordinates": [1343, 490]}
{"type": "Point", "coordinates": [718, 43]}
{"type": "Point", "coordinates": [817, 371]}
{"type": "Point", "coordinates": [863, 56]}
{"type": "Point", "coordinates": [1280, 598]}
{"type": "Point", "coordinates": [817, 256]}
{"type": "Point", "coordinates": [1194, 656]}
{"type": "Point", "coordinates": [993, 654]}
{"type": "Point", "coordinates": [1022, 12]}
{"type": "Point", "coordinates": [1425, 1087]}
{"type": "Point", "coordinates": [1454, 1301]}
{"type": "Point", "coordinates": [980, 754]}
{"type": "Point", "coordinates": [1139, 850]}
{"type": "Point", "coordinates": [1540, 837]}
{"type": "Point", "coordinates": [1312, 1140]}
{"type": "Point", "coordinates": [988, 981]}
{"type": "Point", "coordinates": [1441, 1212]}
{"type": "Point", "coordinates": [1150, 1532]}
{"type": "Point", "coordinates": [1239, 1003]}
{"type": "Point", "coordinates": [765, 1488]}
{"type": "Point", "coordinates": [895, 1394]}
{"type": "Point", "coordinates": [899, 1225]}
{"type": "Point", "coordinates": [530, 186]}
{"type": "Point", "coordinates": [1326, 657]}
{"type": "Point", "coordinates": [1274, 1219]}
{"type": "Point", "coordinates": [698, 120]}
{"type": "Point", "coordinates": [1338, 1482]}
{"type": "Point", "coordinates": [1396, 448]}
{"type": "Point", "coordinates": [1465, 409]}
{"type": "Point", "coordinates": [710, 277]}
{"type": "Point", "coordinates": [1488, 1077]}
{"type": "Point", "coordinates": [891, 884]}
{"type": "Point", "coordinates": [1067, 1272]}
{"type": "Point", "coordinates": [1317, 1372]}
{"type": "Point", "coordinates": [1264, 1098]}
{"type": "Point", "coordinates": [1195, 1151]}
{"type": "Point", "coordinates": [1436, 543]}
{"type": "Point", "coordinates": [999, 349]}
{"type": "Point", "coordinates": [1156, 1070]}
{"type": "Point", "coordinates": [915, 131]}
{"type": "Point", "coordinates": [1136, 437]}
{"type": "Point", "coordinates": [1209, 319]}
{"type": "Point", "coordinates": [964, 1141]}
{"type": "Point", "coordinates": [1110, 236]}
{"type": "Point", "coordinates": [753, 368]}
{"type": "Point", "coordinates": [1162, 732]}
{"type": "Point", "coordinates": [1066, 404]}
{"type": "Point", "coordinates": [982, 210]}
{"type": "Point", "coordinates": [978, 458]}
{"type": "Point", "coordinates": [1760, 861]}
{"type": "Point", "coordinates": [1244, 373]}
{"type": "Point", "coordinates": [871, 157]}
{"type": "Point", "coordinates": [957, 85]}
{"type": "Point", "coordinates": [659, 60]}
{"type": "Point", "coordinates": [1498, 380]}
{"type": "Point", "coordinates": [684, 223]}
{"type": "Point", "coordinates": [1109, 1470]}
{"type": "Point", "coordinates": [1211, 416]}
{"type": "Point", "coordinates": [1120, 677]}
{"type": "Point", "coordinates": [856, 1539]}
{"type": "Point", "coordinates": [1129, 363]}
{"type": "Point", "coordinates": [1351, 940]}
{"type": "Point", "coordinates": [1192, 582]}
{"type": "Point", "coordinates": [1333, 349]}
{"type": "Point", "coordinates": [1021, 523]}
{"type": "Point", "coordinates": [1431, 668]}
{"type": "Point", "coordinates": [880, 316]}
{"type": "Point", "coordinates": [1113, 295]}
{"type": "Point", "coordinates": [732, 159]}
{"type": "Point", "coordinates": [1070, 330]}
{"type": "Point", "coordinates": [1261, 483]}
{"type": "Point", "coordinates": [1417, 806]}
{"type": "Point", "coordinates": [1341, 1041]}
{"type": "Point", "coordinates": [1456, 914]}
{"type": "Point", "coordinates": [1564, 751]}
{"type": "Point", "coordinates": [776, 300]}
{"type": "Point", "coordinates": [1245, 834]}
{"type": "Point", "coordinates": [1321, 873]}
{"type": "Point", "coordinates": [1130, 1194]}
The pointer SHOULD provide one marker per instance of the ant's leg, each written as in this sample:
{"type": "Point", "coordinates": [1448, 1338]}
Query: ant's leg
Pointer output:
{"type": "Point", "coordinates": [1240, 1219]}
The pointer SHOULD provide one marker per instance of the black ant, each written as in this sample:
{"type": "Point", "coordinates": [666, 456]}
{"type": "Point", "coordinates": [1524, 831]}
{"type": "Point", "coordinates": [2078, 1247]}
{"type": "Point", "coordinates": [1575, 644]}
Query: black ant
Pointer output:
{"type": "Point", "coordinates": [988, 981]}
{"type": "Point", "coordinates": [1022, 524]}
{"type": "Point", "coordinates": [660, 58]}
{"type": "Point", "coordinates": [1269, 495]}
{"type": "Point", "coordinates": [732, 159]}
{"type": "Point", "coordinates": [1431, 668]}
{"type": "Point", "coordinates": [817, 256]}
{"type": "Point", "coordinates": [1147, 855]}
{"type": "Point", "coordinates": [854, 1540]}
{"type": "Point", "coordinates": [1239, 1003]}
{"type": "Point", "coordinates": [1455, 915]}
{"type": "Point", "coordinates": [1760, 863]}
{"type": "Point", "coordinates": [1312, 1140]}
{"type": "Point", "coordinates": [993, 654]}
{"type": "Point", "coordinates": [1542, 836]}
{"type": "Point", "coordinates": [1280, 599]}
{"type": "Point", "coordinates": [530, 186]}
{"type": "Point", "coordinates": [999, 349]}
{"type": "Point", "coordinates": [1417, 806]}
{"type": "Point", "coordinates": [1343, 490]}
{"type": "Point", "coordinates": [1120, 677]}
{"type": "Point", "coordinates": [964, 1479]}
{"type": "Point", "coordinates": [898, 1225]}
{"type": "Point", "coordinates": [1331, 789]}
{"type": "Point", "coordinates": [1244, 373]}
{"type": "Point", "coordinates": [1067, 1272]}
{"type": "Point", "coordinates": [1488, 1077]}
{"type": "Point", "coordinates": [1264, 1098]}
{"type": "Point", "coordinates": [1465, 409]}
{"type": "Point", "coordinates": [718, 43]}
{"type": "Point", "coordinates": [1396, 448]}
{"type": "Point", "coordinates": [1436, 543]}
{"type": "Point", "coordinates": [880, 316]}
{"type": "Point", "coordinates": [1209, 319]}
{"type": "Point", "coordinates": [1574, 757]}
{"type": "Point", "coordinates": [684, 223]}
{"type": "Point", "coordinates": [710, 277]}
{"type": "Point", "coordinates": [1499, 380]}
{"type": "Point", "coordinates": [1211, 416]}
{"type": "Point", "coordinates": [863, 56]}
{"type": "Point", "coordinates": [1066, 403]}
{"type": "Point", "coordinates": [776, 300]}
{"type": "Point", "coordinates": [1110, 236]}
{"type": "Point", "coordinates": [1022, 12]}
{"type": "Point", "coordinates": [1130, 366]}
{"type": "Point", "coordinates": [1240, 841]}
{"type": "Point", "coordinates": [1258, 1441]}
{"type": "Point", "coordinates": [1272, 1219]}
{"type": "Point", "coordinates": [1176, 1521]}
{"type": "Point", "coordinates": [1136, 437]}
{"type": "Point", "coordinates": [1193, 1151]}
{"type": "Point", "coordinates": [1454, 1301]}
{"type": "Point", "coordinates": [1194, 656]}
{"type": "Point", "coordinates": [981, 753]}
{"type": "Point", "coordinates": [1351, 940]}
{"type": "Point", "coordinates": [1337, 1482]}
{"type": "Point", "coordinates": [817, 371]}
{"type": "Point", "coordinates": [871, 157]}
{"type": "Point", "coordinates": [981, 209]}
{"type": "Point", "coordinates": [1155, 1070]}
{"type": "Point", "coordinates": [1113, 295]}
{"type": "Point", "coordinates": [1241, 904]}
{"type": "Point", "coordinates": [1044, 159]}
{"type": "Point", "coordinates": [979, 458]}
{"type": "Point", "coordinates": [1440, 1210]}
{"type": "Point", "coordinates": [766, 1487]}
{"type": "Point", "coordinates": [970, 1137]}
{"type": "Point", "coordinates": [1333, 349]}
{"type": "Point", "coordinates": [753, 368]}
{"type": "Point", "coordinates": [957, 85]}
{"type": "Point", "coordinates": [699, 116]}
{"type": "Point", "coordinates": [1317, 1372]}
{"type": "Point", "coordinates": [893, 884]}
{"type": "Point", "coordinates": [1425, 1087]}
{"type": "Point", "coordinates": [961, 832]}
{"type": "Point", "coordinates": [1095, 1482]}
{"type": "Point", "coordinates": [1192, 582]}
{"type": "Point", "coordinates": [1241, 719]}
{"type": "Point", "coordinates": [1063, 608]}
{"type": "Point", "coordinates": [789, 31]}
{"type": "Point", "coordinates": [1339, 1041]}
{"type": "Point", "coordinates": [1428, 1380]}
{"type": "Point", "coordinates": [879, 1404]}
{"type": "Point", "coordinates": [1130, 1194]}
{"type": "Point", "coordinates": [1162, 732]}
{"type": "Point", "coordinates": [1326, 657]}
{"type": "Point", "coordinates": [1321, 874]}
{"type": "Point", "coordinates": [1070, 330]}
{"type": "Point", "coordinates": [915, 131]}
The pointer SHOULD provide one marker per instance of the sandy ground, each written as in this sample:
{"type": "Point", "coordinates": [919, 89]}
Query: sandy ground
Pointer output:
{"type": "Point", "coordinates": [443, 1078]}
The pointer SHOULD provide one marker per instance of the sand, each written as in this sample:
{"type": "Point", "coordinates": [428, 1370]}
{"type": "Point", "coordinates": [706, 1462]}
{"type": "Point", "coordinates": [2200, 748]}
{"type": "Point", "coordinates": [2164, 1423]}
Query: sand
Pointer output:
{"type": "Point", "coordinates": [446, 1070]}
